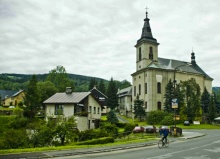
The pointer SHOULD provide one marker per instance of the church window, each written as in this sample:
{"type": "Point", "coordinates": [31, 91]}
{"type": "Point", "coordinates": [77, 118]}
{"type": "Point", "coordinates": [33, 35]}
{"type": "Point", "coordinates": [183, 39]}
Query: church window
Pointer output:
{"type": "Point", "coordinates": [140, 54]}
{"type": "Point", "coordinates": [158, 87]}
{"type": "Point", "coordinates": [134, 90]}
{"type": "Point", "coordinates": [145, 88]}
{"type": "Point", "coordinates": [151, 53]}
{"type": "Point", "coordinates": [159, 105]}
{"type": "Point", "coordinates": [139, 89]}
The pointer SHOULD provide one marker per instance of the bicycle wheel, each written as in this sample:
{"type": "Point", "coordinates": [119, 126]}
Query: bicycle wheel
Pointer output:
{"type": "Point", "coordinates": [160, 144]}
{"type": "Point", "coordinates": [167, 143]}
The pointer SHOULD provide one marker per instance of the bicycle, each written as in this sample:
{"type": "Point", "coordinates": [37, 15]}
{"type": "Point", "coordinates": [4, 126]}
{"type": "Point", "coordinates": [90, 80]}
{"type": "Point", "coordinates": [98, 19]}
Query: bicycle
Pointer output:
{"type": "Point", "coordinates": [162, 144]}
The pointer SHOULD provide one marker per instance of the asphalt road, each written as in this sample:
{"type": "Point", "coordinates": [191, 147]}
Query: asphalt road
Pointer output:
{"type": "Point", "coordinates": [206, 147]}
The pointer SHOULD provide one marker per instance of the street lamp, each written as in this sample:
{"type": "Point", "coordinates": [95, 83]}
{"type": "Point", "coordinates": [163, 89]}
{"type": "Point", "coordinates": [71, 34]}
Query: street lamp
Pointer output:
{"type": "Point", "coordinates": [175, 101]}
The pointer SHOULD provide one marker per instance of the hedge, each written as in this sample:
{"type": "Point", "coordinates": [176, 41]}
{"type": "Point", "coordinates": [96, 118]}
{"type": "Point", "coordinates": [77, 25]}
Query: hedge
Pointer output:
{"type": "Point", "coordinates": [97, 141]}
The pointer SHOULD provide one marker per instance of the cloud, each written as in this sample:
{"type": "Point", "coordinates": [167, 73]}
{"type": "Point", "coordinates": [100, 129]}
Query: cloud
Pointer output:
{"type": "Point", "coordinates": [97, 38]}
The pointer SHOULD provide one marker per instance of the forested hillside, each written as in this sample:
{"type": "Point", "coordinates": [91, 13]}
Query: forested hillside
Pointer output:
{"type": "Point", "coordinates": [20, 81]}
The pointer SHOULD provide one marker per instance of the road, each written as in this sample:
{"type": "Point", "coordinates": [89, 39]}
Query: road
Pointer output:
{"type": "Point", "coordinates": [206, 147]}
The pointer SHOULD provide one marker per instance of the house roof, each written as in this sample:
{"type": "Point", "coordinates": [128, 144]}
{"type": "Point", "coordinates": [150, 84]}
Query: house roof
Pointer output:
{"type": "Point", "coordinates": [74, 97]}
{"type": "Point", "coordinates": [6, 93]}
{"type": "Point", "coordinates": [17, 93]}
{"type": "Point", "coordinates": [125, 92]}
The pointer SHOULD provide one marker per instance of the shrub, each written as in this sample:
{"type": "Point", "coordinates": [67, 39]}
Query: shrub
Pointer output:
{"type": "Point", "coordinates": [128, 129]}
{"type": "Point", "coordinates": [168, 120]}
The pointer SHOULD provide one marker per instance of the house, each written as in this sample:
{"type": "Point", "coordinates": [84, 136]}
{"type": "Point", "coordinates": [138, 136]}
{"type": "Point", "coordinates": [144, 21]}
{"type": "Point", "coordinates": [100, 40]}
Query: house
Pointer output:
{"type": "Point", "coordinates": [153, 73]}
{"type": "Point", "coordinates": [12, 98]}
{"type": "Point", "coordinates": [101, 98]}
{"type": "Point", "coordinates": [125, 101]}
{"type": "Point", "coordinates": [83, 105]}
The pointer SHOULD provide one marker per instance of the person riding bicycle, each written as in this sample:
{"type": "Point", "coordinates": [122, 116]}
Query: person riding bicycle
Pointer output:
{"type": "Point", "coordinates": [165, 133]}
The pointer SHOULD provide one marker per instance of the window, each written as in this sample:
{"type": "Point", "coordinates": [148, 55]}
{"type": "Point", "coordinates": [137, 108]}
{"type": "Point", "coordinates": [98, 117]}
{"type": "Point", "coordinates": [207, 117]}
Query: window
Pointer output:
{"type": "Point", "coordinates": [151, 53]}
{"type": "Point", "coordinates": [145, 105]}
{"type": "Point", "coordinates": [140, 54]}
{"type": "Point", "coordinates": [58, 109]}
{"type": "Point", "coordinates": [98, 110]}
{"type": "Point", "coordinates": [134, 90]}
{"type": "Point", "coordinates": [139, 89]}
{"type": "Point", "coordinates": [159, 105]}
{"type": "Point", "coordinates": [94, 112]}
{"type": "Point", "coordinates": [90, 109]}
{"type": "Point", "coordinates": [145, 88]}
{"type": "Point", "coordinates": [158, 87]}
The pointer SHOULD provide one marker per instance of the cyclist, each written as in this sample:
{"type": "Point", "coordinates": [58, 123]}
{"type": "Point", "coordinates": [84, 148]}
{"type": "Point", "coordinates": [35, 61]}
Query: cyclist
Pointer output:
{"type": "Point", "coordinates": [165, 133]}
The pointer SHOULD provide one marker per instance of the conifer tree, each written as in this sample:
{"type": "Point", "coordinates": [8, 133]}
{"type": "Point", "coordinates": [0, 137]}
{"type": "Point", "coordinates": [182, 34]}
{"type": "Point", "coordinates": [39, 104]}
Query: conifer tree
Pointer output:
{"type": "Point", "coordinates": [205, 101]}
{"type": "Point", "coordinates": [102, 86]}
{"type": "Point", "coordinates": [169, 94]}
{"type": "Point", "coordinates": [32, 99]}
{"type": "Point", "coordinates": [212, 109]}
{"type": "Point", "coordinates": [112, 118]}
{"type": "Point", "coordinates": [112, 101]}
{"type": "Point", "coordinates": [139, 111]}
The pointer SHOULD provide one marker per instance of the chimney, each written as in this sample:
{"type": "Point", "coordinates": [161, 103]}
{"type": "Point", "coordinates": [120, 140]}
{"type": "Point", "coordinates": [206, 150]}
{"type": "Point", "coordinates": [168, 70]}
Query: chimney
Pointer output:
{"type": "Point", "coordinates": [68, 90]}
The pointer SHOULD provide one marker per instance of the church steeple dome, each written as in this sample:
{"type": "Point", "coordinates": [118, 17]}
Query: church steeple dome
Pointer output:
{"type": "Point", "coordinates": [193, 58]}
{"type": "Point", "coordinates": [146, 34]}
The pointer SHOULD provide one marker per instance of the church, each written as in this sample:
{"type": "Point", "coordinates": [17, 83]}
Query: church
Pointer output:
{"type": "Point", "coordinates": [153, 73]}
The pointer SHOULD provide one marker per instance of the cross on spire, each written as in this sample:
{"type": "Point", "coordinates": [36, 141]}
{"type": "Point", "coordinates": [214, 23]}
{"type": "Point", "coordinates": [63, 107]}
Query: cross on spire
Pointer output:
{"type": "Point", "coordinates": [146, 8]}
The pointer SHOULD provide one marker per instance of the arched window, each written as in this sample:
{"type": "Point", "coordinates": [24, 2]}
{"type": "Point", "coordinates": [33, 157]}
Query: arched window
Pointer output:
{"type": "Point", "coordinates": [158, 105]}
{"type": "Point", "coordinates": [151, 56]}
{"type": "Point", "coordinates": [140, 54]}
{"type": "Point", "coordinates": [158, 87]}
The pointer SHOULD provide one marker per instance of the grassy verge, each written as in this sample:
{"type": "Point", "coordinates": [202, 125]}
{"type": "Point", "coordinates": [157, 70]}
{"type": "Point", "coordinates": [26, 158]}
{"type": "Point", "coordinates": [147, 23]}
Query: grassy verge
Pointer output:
{"type": "Point", "coordinates": [133, 138]}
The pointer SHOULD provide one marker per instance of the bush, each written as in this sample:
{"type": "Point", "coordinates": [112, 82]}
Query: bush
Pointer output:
{"type": "Point", "coordinates": [128, 129]}
{"type": "Point", "coordinates": [168, 120]}
{"type": "Point", "coordinates": [121, 125]}
{"type": "Point", "coordinates": [4, 120]}
{"type": "Point", "coordinates": [155, 117]}
{"type": "Point", "coordinates": [97, 141]}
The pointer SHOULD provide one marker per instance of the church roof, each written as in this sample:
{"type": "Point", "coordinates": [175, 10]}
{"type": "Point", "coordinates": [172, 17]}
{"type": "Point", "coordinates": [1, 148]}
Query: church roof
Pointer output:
{"type": "Point", "coordinates": [146, 34]}
{"type": "Point", "coordinates": [170, 64]}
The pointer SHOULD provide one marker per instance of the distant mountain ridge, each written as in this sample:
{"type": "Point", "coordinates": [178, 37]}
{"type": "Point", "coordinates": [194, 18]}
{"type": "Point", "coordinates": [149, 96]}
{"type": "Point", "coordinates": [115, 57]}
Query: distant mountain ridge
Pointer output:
{"type": "Point", "coordinates": [14, 81]}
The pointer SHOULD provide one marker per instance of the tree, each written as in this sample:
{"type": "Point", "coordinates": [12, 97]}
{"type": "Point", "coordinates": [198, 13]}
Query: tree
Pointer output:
{"type": "Point", "coordinates": [46, 89]}
{"type": "Point", "coordinates": [102, 86]}
{"type": "Point", "coordinates": [112, 118]}
{"type": "Point", "coordinates": [139, 111]}
{"type": "Point", "coordinates": [212, 109]}
{"type": "Point", "coordinates": [112, 101]}
{"type": "Point", "coordinates": [60, 79]}
{"type": "Point", "coordinates": [192, 99]}
{"type": "Point", "coordinates": [92, 83]}
{"type": "Point", "coordinates": [169, 95]}
{"type": "Point", "coordinates": [32, 99]}
{"type": "Point", "coordinates": [205, 101]}
{"type": "Point", "coordinates": [66, 130]}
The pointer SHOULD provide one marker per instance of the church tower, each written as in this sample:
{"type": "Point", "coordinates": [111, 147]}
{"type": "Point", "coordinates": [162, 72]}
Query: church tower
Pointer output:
{"type": "Point", "coordinates": [146, 47]}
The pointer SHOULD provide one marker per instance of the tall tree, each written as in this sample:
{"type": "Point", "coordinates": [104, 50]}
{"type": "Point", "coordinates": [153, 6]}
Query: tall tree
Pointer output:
{"type": "Point", "coordinates": [169, 95]}
{"type": "Point", "coordinates": [45, 89]}
{"type": "Point", "coordinates": [212, 109]}
{"type": "Point", "coordinates": [92, 83]}
{"type": "Point", "coordinates": [139, 111]}
{"type": "Point", "coordinates": [205, 101]}
{"type": "Point", "coordinates": [112, 101]}
{"type": "Point", "coordinates": [32, 98]}
{"type": "Point", "coordinates": [60, 79]}
{"type": "Point", "coordinates": [102, 86]}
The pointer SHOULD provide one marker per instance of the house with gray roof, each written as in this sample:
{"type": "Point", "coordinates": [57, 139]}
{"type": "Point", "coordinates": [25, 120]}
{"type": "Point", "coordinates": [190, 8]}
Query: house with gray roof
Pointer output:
{"type": "Point", "coordinates": [83, 105]}
{"type": "Point", "coordinates": [125, 101]}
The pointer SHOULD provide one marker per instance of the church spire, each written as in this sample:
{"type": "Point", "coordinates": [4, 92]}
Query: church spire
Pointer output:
{"type": "Point", "coordinates": [146, 34]}
{"type": "Point", "coordinates": [193, 58]}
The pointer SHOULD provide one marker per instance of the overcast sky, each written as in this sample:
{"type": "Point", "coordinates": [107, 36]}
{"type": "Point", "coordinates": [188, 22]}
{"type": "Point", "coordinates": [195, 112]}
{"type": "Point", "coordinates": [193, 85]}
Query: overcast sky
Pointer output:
{"type": "Point", "coordinates": [97, 37]}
